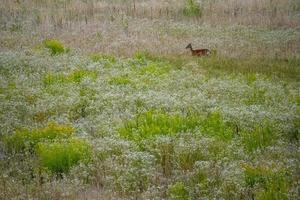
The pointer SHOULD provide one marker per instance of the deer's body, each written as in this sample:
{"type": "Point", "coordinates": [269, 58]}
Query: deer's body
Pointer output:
{"type": "Point", "coordinates": [198, 52]}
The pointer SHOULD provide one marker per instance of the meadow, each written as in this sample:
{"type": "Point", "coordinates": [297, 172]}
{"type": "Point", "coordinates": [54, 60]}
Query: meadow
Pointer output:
{"type": "Point", "coordinates": [100, 99]}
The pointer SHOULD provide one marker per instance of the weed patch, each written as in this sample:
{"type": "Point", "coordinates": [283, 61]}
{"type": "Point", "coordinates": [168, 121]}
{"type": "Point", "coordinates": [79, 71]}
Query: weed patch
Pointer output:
{"type": "Point", "coordinates": [75, 76]}
{"type": "Point", "coordinates": [150, 124]}
{"type": "Point", "coordinates": [267, 66]}
{"type": "Point", "coordinates": [103, 58]}
{"type": "Point", "coordinates": [274, 184]}
{"type": "Point", "coordinates": [28, 139]}
{"type": "Point", "coordinates": [60, 156]}
{"type": "Point", "coordinates": [215, 126]}
{"type": "Point", "coordinates": [178, 191]}
{"type": "Point", "coordinates": [261, 137]}
{"type": "Point", "coordinates": [119, 80]}
{"type": "Point", "coordinates": [55, 47]}
{"type": "Point", "coordinates": [192, 9]}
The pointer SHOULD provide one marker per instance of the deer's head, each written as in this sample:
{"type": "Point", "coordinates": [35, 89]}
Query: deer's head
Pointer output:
{"type": "Point", "coordinates": [189, 46]}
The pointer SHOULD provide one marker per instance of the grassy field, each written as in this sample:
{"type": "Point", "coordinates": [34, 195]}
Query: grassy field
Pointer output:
{"type": "Point", "coordinates": [101, 100]}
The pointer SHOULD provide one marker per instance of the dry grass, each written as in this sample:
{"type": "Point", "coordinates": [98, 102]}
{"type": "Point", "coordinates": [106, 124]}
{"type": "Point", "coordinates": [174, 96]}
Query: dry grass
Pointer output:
{"type": "Point", "coordinates": [234, 28]}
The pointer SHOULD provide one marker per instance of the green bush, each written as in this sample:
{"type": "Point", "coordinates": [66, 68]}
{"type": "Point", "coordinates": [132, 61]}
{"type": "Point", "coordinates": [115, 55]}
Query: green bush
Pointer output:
{"type": "Point", "coordinates": [192, 9]}
{"type": "Point", "coordinates": [55, 46]}
{"type": "Point", "coordinates": [60, 156]}
{"type": "Point", "coordinates": [28, 139]}
{"type": "Point", "coordinates": [178, 192]}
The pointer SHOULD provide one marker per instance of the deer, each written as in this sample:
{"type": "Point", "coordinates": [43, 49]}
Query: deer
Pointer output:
{"type": "Point", "coordinates": [198, 52]}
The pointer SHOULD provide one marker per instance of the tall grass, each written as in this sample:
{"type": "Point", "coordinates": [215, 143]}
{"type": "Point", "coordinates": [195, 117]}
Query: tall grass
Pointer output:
{"type": "Point", "coordinates": [27, 139]}
{"type": "Point", "coordinates": [153, 123]}
{"type": "Point", "coordinates": [59, 157]}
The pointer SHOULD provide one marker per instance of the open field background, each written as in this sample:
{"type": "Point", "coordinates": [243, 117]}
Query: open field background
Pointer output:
{"type": "Point", "coordinates": [233, 27]}
{"type": "Point", "coordinates": [101, 100]}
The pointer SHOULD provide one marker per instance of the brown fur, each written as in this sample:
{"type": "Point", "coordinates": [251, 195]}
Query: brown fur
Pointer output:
{"type": "Point", "coordinates": [198, 52]}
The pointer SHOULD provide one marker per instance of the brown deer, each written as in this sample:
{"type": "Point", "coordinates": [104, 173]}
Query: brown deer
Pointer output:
{"type": "Point", "coordinates": [198, 52]}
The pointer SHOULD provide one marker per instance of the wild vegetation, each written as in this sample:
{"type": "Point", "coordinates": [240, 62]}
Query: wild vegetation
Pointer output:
{"type": "Point", "coordinates": [100, 99]}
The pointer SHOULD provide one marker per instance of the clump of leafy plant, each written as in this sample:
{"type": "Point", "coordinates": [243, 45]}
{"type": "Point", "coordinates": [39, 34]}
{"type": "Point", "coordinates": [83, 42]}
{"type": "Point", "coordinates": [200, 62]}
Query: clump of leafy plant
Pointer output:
{"type": "Point", "coordinates": [154, 69]}
{"type": "Point", "coordinates": [55, 47]}
{"type": "Point", "coordinates": [274, 184]}
{"type": "Point", "coordinates": [75, 76]}
{"type": "Point", "coordinates": [261, 137]}
{"type": "Point", "coordinates": [78, 75]}
{"type": "Point", "coordinates": [100, 57]}
{"type": "Point", "coordinates": [215, 126]}
{"type": "Point", "coordinates": [192, 9]}
{"type": "Point", "coordinates": [27, 139]}
{"type": "Point", "coordinates": [178, 191]}
{"type": "Point", "coordinates": [119, 80]}
{"type": "Point", "coordinates": [153, 123]}
{"type": "Point", "coordinates": [60, 156]}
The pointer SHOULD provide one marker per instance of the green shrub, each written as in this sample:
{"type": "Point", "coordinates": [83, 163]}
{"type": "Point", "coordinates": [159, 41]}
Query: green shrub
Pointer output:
{"type": "Point", "coordinates": [60, 156]}
{"type": "Point", "coordinates": [28, 139]}
{"type": "Point", "coordinates": [153, 123]}
{"type": "Point", "coordinates": [55, 46]}
{"type": "Point", "coordinates": [178, 191]}
{"type": "Point", "coordinates": [192, 9]}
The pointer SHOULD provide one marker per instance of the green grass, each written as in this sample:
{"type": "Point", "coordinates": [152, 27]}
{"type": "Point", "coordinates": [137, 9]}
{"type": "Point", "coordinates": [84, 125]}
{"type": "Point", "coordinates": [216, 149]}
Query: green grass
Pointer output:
{"type": "Point", "coordinates": [215, 126]}
{"type": "Point", "coordinates": [100, 58]}
{"type": "Point", "coordinates": [75, 76]}
{"type": "Point", "coordinates": [119, 80]}
{"type": "Point", "coordinates": [60, 156]}
{"type": "Point", "coordinates": [54, 46]}
{"type": "Point", "coordinates": [178, 191]}
{"type": "Point", "coordinates": [273, 185]}
{"type": "Point", "coordinates": [286, 69]}
{"type": "Point", "coordinates": [261, 137]}
{"type": "Point", "coordinates": [192, 9]}
{"type": "Point", "coordinates": [153, 123]}
{"type": "Point", "coordinates": [283, 68]}
{"type": "Point", "coordinates": [27, 139]}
